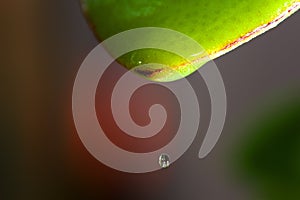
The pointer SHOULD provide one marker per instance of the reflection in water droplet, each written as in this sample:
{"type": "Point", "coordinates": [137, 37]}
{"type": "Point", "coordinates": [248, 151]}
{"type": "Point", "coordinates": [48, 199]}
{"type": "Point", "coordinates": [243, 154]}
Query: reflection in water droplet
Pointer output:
{"type": "Point", "coordinates": [164, 161]}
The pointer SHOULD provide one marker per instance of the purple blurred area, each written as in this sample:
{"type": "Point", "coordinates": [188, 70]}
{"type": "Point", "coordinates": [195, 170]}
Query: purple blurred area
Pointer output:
{"type": "Point", "coordinates": [42, 46]}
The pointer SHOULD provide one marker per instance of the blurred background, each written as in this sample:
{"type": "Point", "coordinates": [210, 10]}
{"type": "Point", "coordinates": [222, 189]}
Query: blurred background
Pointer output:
{"type": "Point", "coordinates": [257, 157]}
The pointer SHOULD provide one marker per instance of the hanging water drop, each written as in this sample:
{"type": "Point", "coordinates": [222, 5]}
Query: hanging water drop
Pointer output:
{"type": "Point", "coordinates": [164, 161]}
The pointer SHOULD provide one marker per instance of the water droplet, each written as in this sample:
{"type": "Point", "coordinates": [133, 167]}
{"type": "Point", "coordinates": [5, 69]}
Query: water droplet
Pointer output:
{"type": "Point", "coordinates": [164, 161]}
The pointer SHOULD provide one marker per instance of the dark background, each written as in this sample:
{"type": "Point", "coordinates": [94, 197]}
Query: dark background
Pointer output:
{"type": "Point", "coordinates": [42, 46]}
